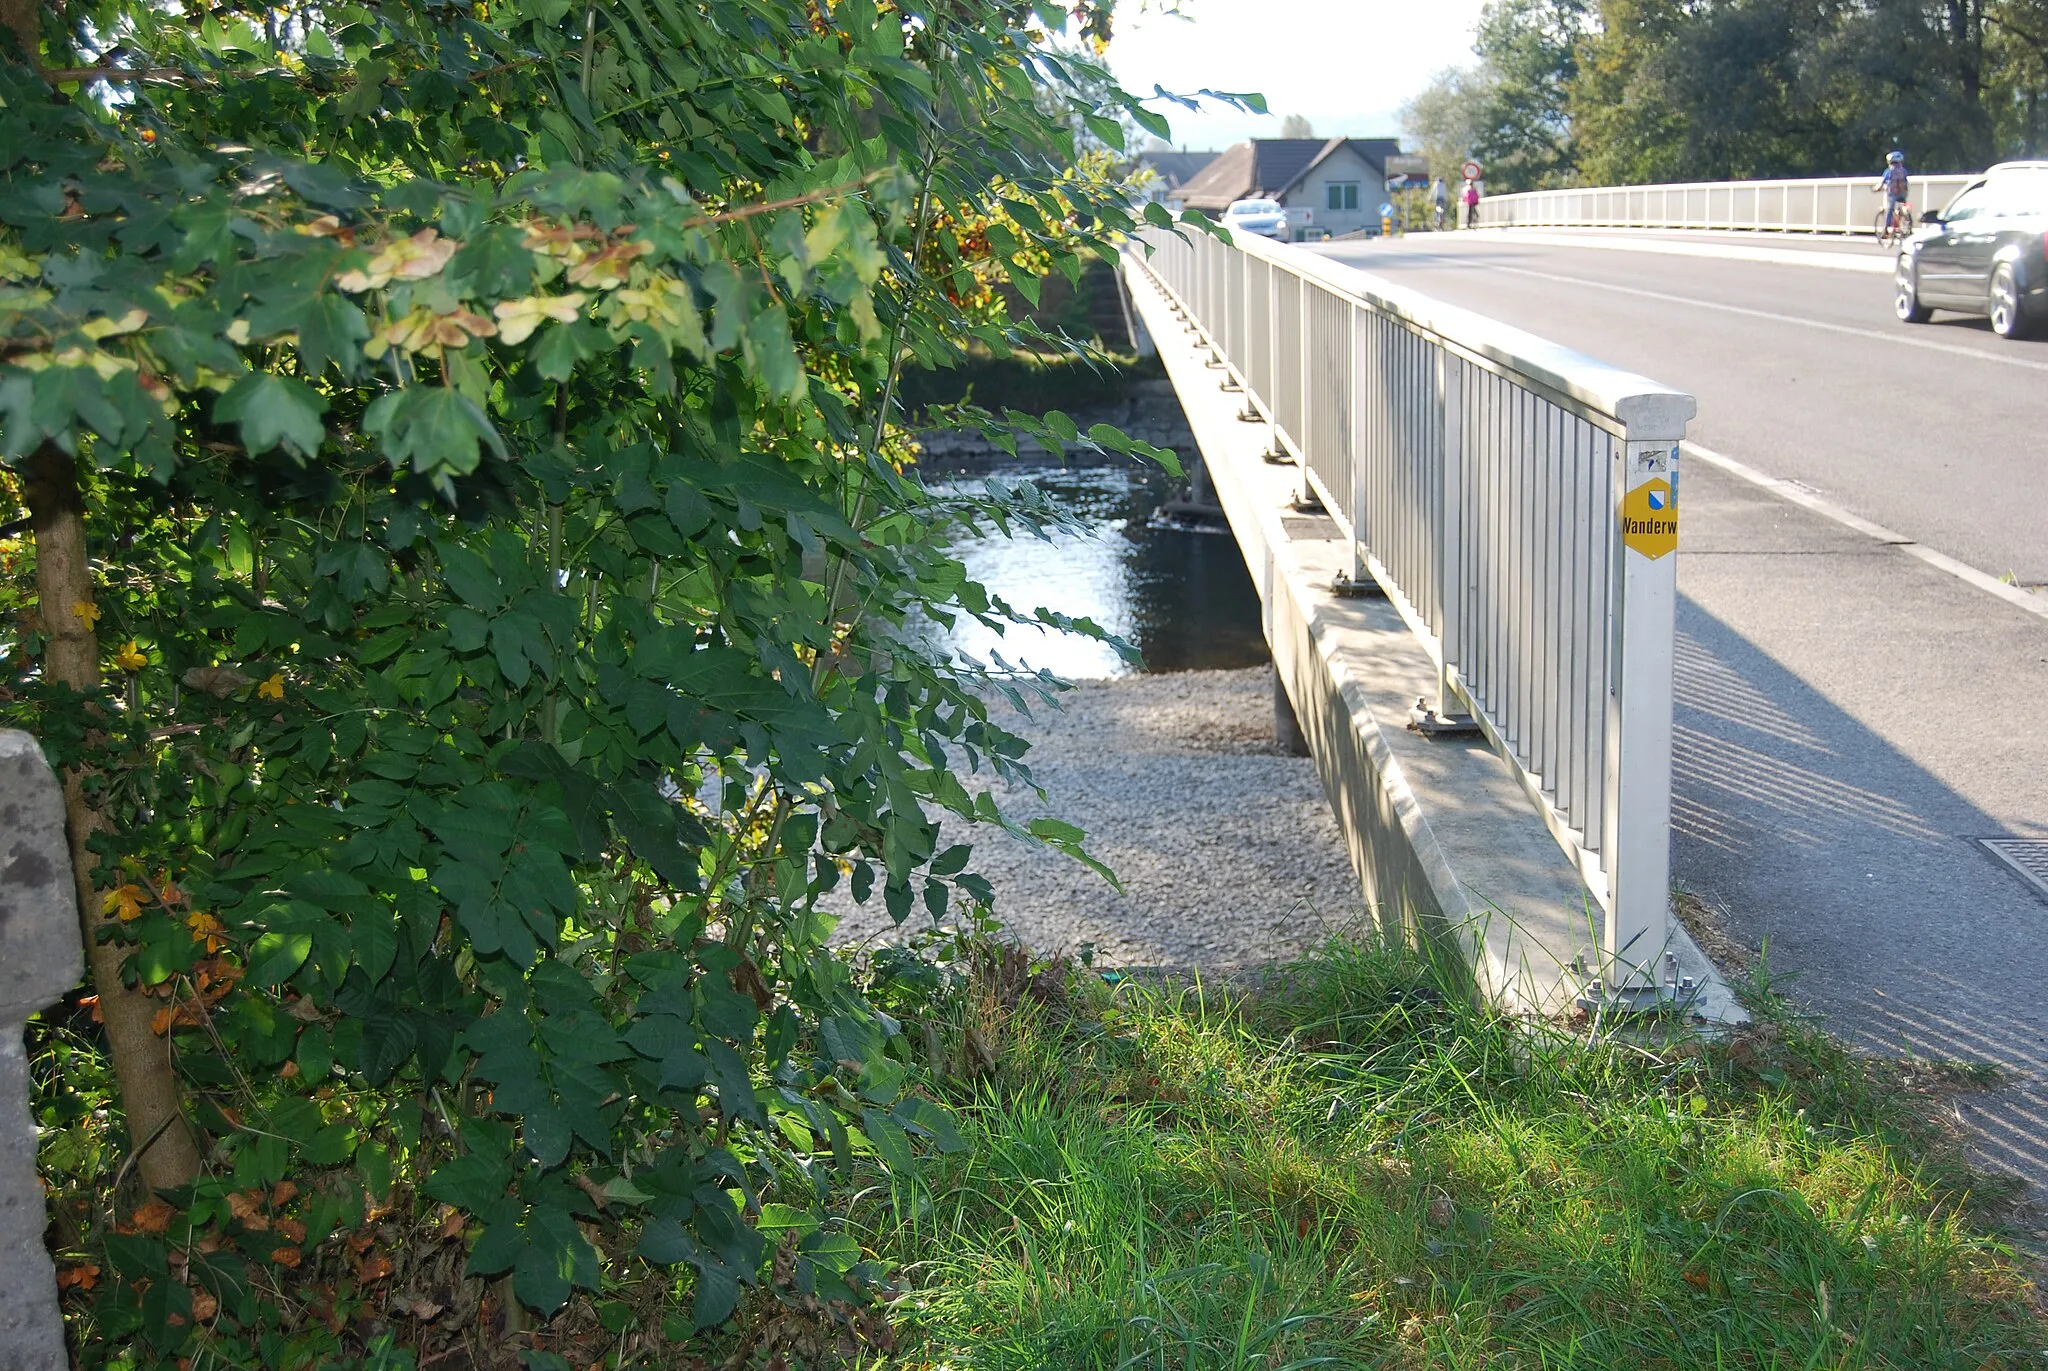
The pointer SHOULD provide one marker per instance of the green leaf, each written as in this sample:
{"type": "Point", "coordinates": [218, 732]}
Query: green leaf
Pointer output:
{"type": "Point", "coordinates": [891, 1143]}
{"type": "Point", "coordinates": [473, 1181]}
{"type": "Point", "coordinates": [498, 1246]}
{"type": "Point", "coordinates": [836, 1252]}
{"type": "Point", "coordinates": [541, 1279]}
{"type": "Point", "coordinates": [547, 1135]}
{"type": "Point", "coordinates": [784, 1218]}
{"type": "Point", "coordinates": [273, 411]}
{"type": "Point", "coordinates": [275, 956]}
{"type": "Point", "coordinates": [665, 1243]}
{"type": "Point", "coordinates": [932, 1121]}
{"type": "Point", "coordinates": [561, 348]}
{"type": "Point", "coordinates": [494, 264]}
{"type": "Point", "coordinates": [433, 430]}
{"type": "Point", "coordinates": [331, 329]}
{"type": "Point", "coordinates": [718, 1294]}
{"type": "Point", "coordinates": [1151, 121]}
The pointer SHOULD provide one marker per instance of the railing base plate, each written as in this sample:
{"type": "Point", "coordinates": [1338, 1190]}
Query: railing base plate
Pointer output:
{"type": "Point", "coordinates": [1430, 724]}
{"type": "Point", "coordinates": [1600, 998]}
{"type": "Point", "coordinates": [1345, 588]}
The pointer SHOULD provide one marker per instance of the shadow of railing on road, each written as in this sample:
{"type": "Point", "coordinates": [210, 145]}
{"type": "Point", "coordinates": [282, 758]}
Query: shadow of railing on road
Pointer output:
{"type": "Point", "coordinates": [1861, 870]}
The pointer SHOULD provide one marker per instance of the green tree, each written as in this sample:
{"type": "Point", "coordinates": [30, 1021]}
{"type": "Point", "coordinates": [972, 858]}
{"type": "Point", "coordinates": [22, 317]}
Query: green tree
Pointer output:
{"type": "Point", "coordinates": [1528, 51]}
{"type": "Point", "coordinates": [468, 528]}
{"type": "Point", "coordinates": [1442, 121]}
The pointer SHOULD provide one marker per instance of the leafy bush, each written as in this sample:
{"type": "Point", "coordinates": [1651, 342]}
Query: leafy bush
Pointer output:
{"type": "Point", "coordinates": [468, 524]}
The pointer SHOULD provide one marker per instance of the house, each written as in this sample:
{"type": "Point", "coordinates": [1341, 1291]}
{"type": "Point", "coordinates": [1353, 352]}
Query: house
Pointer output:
{"type": "Point", "coordinates": [1161, 172]}
{"type": "Point", "coordinates": [1328, 186]}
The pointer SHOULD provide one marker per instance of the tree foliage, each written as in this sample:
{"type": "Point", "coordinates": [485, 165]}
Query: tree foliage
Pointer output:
{"type": "Point", "coordinates": [1632, 91]}
{"type": "Point", "coordinates": [476, 423]}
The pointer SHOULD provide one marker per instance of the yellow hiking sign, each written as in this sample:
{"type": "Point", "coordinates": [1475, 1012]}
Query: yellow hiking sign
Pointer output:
{"type": "Point", "coordinates": [1649, 518]}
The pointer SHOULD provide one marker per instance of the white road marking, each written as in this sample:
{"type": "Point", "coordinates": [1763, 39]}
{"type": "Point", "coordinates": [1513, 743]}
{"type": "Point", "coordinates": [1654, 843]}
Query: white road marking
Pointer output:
{"type": "Point", "coordinates": [1925, 344]}
{"type": "Point", "coordinates": [2036, 605]}
{"type": "Point", "coordinates": [1675, 247]}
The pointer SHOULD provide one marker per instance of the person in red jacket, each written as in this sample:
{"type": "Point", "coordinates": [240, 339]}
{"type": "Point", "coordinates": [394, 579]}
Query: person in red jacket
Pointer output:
{"type": "Point", "coordinates": [1471, 198]}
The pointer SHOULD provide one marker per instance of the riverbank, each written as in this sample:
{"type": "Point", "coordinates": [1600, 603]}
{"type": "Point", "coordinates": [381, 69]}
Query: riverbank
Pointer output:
{"type": "Point", "coordinates": [1346, 1163]}
{"type": "Point", "coordinates": [1226, 847]}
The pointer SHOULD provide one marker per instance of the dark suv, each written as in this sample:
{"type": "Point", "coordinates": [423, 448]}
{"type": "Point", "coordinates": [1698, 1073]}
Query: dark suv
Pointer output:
{"type": "Point", "coordinates": [1983, 254]}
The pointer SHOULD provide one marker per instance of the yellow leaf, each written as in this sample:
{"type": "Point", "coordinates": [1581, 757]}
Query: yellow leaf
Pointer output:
{"type": "Point", "coordinates": [273, 688]}
{"type": "Point", "coordinates": [407, 259]}
{"type": "Point", "coordinates": [123, 901]}
{"type": "Point", "coordinates": [104, 327]}
{"type": "Point", "coordinates": [517, 319]}
{"type": "Point", "coordinates": [86, 611]}
{"type": "Point", "coordinates": [131, 657]}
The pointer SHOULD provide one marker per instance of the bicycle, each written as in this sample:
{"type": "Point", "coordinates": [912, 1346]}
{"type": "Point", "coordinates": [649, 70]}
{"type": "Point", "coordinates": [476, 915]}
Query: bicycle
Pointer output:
{"type": "Point", "coordinates": [1894, 225]}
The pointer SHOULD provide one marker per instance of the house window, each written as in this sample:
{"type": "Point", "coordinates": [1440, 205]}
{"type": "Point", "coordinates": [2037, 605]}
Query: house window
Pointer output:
{"type": "Point", "coordinates": [1343, 194]}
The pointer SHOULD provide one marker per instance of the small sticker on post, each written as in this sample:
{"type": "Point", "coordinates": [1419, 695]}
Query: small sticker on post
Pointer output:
{"type": "Point", "coordinates": [1649, 519]}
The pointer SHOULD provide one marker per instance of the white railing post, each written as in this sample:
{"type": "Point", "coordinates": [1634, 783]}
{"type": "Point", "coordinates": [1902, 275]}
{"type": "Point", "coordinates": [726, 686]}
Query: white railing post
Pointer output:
{"type": "Point", "coordinates": [1450, 392]}
{"type": "Point", "coordinates": [1354, 423]}
{"type": "Point", "coordinates": [1307, 496]}
{"type": "Point", "coordinates": [1637, 850]}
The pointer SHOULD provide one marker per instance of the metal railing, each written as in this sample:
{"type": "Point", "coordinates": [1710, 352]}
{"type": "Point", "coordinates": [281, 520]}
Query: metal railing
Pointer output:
{"type": "Point", "coordinates": [1838, 204]}
{"type": "Point", "coordinates": [1517, 503]}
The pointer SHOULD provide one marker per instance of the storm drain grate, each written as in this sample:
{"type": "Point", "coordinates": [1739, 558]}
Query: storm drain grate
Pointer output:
{"type": "Point", "coordinates": [2027, 858]}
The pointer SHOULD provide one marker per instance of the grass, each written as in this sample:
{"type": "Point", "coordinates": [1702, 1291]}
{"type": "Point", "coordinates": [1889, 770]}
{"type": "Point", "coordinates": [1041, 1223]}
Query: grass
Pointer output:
{"type": "Point", "coordinates": [1348, 1166]}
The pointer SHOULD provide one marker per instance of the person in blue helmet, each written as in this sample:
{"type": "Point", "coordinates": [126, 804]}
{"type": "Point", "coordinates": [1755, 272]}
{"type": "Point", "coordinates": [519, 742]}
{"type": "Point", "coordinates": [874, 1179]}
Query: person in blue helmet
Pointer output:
{"type": "Point", "coordinates": [1894, 185]}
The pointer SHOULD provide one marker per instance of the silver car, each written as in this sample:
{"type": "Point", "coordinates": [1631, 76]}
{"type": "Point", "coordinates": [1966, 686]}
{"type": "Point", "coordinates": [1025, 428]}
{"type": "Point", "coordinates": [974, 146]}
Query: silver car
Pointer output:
{"type": "Point", "coordinates": [1263, 217]}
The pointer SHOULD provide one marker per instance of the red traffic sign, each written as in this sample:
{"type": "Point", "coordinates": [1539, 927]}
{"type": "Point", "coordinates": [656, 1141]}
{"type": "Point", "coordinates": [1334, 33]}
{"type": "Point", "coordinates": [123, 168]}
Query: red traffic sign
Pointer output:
{"type": "Point", "coordinates": [1473, 171]}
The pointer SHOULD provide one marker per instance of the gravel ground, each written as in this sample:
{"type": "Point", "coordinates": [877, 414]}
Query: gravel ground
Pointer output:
{"type": "Point", "coordinates": [1227, 849]}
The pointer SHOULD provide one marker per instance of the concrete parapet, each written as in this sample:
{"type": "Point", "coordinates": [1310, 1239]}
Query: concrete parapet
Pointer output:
{"type": "Point", "coordinates": [40, 958]}
{"type": "Point", "coordinates": [1445, 842]}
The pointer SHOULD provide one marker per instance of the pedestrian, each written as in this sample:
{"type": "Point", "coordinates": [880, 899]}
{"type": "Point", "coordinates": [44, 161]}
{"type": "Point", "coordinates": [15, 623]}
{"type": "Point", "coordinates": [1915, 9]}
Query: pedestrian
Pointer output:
{"type": "Point", "coordinates": [1471, 204]}
{"type": "Point", "coordinates": [1439, 199]}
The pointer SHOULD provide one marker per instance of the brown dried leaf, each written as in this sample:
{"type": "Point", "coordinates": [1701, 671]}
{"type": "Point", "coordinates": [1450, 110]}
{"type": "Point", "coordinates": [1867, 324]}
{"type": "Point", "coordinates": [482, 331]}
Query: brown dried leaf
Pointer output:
{"type": "Point", "coordinates": [153, 1217]}
{"type": "Point", "coordinates": [247, 1207]}
{"type": "Point", "coordinates": [217, 681]}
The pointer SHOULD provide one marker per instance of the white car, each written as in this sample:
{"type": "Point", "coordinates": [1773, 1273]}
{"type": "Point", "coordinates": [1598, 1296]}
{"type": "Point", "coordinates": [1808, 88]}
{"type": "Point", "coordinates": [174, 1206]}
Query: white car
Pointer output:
{"type": "Point", "coordinates": [1263, 217]}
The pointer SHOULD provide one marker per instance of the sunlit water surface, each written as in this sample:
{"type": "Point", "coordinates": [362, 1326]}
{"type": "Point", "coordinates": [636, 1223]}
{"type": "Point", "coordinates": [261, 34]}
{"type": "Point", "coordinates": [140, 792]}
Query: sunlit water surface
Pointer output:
{"type": "Point", "coordinates": [1180, 596]}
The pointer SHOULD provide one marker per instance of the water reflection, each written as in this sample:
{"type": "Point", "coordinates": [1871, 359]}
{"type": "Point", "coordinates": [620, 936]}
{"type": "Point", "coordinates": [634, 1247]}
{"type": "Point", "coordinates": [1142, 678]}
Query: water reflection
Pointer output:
{"type": "Point", "coordinates": [1182, 597]}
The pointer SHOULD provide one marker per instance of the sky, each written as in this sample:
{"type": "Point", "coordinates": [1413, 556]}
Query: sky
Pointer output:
{"type": "Point", "coordinates": [1346, 65]}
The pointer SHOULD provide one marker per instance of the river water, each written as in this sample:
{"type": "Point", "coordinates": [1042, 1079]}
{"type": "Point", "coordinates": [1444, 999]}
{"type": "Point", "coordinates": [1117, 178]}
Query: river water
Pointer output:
{"type": "Point", "coordinates": [1179, 594]}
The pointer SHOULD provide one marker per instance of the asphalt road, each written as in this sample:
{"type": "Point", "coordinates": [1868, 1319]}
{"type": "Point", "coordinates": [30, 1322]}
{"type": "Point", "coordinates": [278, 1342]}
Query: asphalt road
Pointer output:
{"type": "Point", "coordinates": [1851, 719]}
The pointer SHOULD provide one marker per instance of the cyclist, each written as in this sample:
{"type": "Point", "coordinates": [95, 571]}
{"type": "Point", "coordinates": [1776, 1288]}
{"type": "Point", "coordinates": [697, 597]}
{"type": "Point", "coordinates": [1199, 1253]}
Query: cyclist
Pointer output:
{"type": "Point", "coordinates": [1439, 199]}
{"type": "Point", "coordinates": [1894, 185]}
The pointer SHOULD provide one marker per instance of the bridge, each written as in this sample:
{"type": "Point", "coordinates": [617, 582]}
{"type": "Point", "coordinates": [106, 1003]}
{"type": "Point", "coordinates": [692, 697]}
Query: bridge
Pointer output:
{"type": "Point", "coordinates": [1855, 642]}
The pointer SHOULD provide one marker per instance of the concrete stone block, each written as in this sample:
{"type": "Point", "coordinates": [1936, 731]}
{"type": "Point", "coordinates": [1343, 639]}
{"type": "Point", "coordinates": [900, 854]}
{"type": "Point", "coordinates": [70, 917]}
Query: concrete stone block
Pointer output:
{"type": "Point", "coordinates": [41, 957]}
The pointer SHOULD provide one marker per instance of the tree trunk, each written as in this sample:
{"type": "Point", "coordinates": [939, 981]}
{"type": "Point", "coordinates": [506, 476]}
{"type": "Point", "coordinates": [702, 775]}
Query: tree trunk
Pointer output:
{"type": "Point", "coordinates": [166, 1153]}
